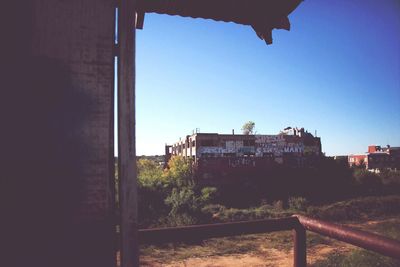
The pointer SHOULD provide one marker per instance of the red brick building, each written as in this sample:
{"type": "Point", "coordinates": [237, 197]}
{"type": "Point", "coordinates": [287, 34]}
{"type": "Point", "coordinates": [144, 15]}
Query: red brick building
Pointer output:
{"type": "Point", "coordinates": [357, 160]}
{"type": "Point", "coordinates": [378, 158]}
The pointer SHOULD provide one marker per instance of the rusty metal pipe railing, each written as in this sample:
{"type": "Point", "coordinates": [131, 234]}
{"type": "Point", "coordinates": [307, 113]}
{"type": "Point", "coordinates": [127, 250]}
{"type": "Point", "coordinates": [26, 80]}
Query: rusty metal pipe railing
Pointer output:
{"type": "Point", "coordinates": [370, 241]}
{"type": "Point", "coordinates": [204, 231]}
{"type": "Point", "coordinates": [298, 223]}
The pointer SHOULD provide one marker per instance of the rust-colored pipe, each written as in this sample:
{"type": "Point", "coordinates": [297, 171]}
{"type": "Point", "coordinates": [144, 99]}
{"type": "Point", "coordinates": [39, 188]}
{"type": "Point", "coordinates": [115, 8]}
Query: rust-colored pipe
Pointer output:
{"type": "Point", "coordinates": [370, 241]}
{"type": "Point", "coordinates": [204, 231]}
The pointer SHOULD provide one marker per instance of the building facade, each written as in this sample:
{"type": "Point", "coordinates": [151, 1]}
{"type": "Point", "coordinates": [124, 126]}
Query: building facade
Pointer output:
{"type": "Point", "coordinates": [377, 158]}
{"type": "Point", "coordinates": [358, 160]}
{"type": "Point", "coordinates": [222, 154]}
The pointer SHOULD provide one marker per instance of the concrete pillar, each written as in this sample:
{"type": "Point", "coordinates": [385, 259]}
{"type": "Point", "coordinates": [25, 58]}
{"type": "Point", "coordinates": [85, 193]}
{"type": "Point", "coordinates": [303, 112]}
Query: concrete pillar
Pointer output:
{"type": "Point", "coordinates": [60, 165]}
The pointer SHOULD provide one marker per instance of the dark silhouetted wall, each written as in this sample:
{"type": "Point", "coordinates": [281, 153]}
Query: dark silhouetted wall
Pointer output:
{"type": "Point", "coordinates": [57, 189]}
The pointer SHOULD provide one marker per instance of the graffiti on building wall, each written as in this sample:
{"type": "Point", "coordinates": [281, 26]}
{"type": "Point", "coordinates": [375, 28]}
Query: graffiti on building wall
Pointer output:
{"type": "Point", "coordinates": [241, 162]}
{"type": "Point", "coordinates": [273, 146]}
{"type": "Point", "coordinates": [233, 144]}
{"type": "Point", "coordinates": [293, 148]}
{"type": "Point", "coordinates": [222, 150]}
{"type": "Point", "coordinates": [210, 150]}
{"type": "Point", "coordinates": [261, 140]}
{"type": "Point", "coordinates": [246, 149]}
{"type": "Point", "coordinates": [264, 144]}
{"type": "Point", "coordinates": [277, 145]}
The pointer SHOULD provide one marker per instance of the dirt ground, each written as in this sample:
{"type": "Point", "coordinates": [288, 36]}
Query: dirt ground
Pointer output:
{"type": "Point", "coordinates": [271, 258]}
{"type": "Point", "coordinates": [264, 256]}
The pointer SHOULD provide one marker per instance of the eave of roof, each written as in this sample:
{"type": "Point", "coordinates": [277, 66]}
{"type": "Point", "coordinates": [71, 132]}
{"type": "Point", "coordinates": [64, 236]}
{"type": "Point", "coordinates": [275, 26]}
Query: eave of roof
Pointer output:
{"type": "Point", "coordinates": [262, 15]}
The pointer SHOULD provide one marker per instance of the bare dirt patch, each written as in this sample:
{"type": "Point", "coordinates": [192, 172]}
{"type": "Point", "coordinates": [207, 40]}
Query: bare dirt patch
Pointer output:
{"type": "Point", "coordinates": [271, 258]}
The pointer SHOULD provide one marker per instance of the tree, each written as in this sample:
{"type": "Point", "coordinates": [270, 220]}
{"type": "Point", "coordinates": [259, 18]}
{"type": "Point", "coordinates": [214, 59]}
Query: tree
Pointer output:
{"type": "Point", "coordinates": [151, 192]}
{"type": "Point", "coordinates": [179, 172]}
{"type": "Point", "coordinates": [248, 128]}
{"type": "Point", "coordinates": [149, 173]}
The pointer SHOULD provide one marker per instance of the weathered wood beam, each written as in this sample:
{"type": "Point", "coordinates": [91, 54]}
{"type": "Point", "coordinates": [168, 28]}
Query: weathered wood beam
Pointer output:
{"type": "Point", "coordinates": [126, 134]}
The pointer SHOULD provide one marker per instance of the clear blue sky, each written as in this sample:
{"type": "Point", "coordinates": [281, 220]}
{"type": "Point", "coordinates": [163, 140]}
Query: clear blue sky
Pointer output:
{"type": "Point", "coordinates": [337, 71]}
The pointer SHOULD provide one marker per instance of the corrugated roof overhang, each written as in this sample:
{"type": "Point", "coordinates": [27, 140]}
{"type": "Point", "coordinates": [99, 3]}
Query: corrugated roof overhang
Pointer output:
{"type": "Point", "coordinates": [262, 15]}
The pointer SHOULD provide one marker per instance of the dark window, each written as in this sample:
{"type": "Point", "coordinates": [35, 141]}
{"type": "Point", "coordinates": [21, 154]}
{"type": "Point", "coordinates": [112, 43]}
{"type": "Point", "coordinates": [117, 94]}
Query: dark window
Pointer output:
{"type": "Point", "coordinates": [249, 142]}
{"type": "Point", "coordinates": [207, 143]}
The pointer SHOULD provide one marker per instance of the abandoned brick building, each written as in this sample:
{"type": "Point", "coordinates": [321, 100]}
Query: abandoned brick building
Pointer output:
{"type": "Point", "coordinates": [224, 154]}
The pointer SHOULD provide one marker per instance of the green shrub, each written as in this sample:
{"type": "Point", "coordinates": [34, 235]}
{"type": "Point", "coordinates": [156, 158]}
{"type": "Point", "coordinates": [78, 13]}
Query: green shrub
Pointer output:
{"type": "Point", "coordinates": [179, 172]}
{"type": "Point", "coordinates": [213, 208]}
{"type": "Point", "coordinates": [207, 194]}
{"type": "Point", "coordinates": [223, 214]}
{"type": "Point", "coordinates": [149, 173]}
{"type": "Point", "coordinates": [358, 208]}
{"type": "Point", "coordinates": [220, 213]}
{"type": "Point", "coordinates": [182, 200]}
{"type": "Point", "coordinates": [278, 205]}
{"type": "Point", "coordinates": [298, 203]}
{"type": "Point", "coordinates": [178, 219]}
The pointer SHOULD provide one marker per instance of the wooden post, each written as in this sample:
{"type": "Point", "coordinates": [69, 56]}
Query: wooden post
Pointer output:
{"type": "Point", "coordinates": [126, 134]}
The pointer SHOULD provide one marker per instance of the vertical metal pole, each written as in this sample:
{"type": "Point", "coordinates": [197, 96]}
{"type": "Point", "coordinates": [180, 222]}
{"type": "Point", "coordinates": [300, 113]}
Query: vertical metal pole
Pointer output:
{"type": "Point", "coordinates": [126, 134]}
{"type": "Point", "coordinates": [300, 249]}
